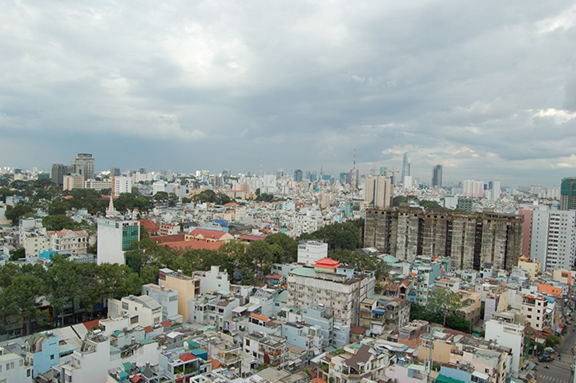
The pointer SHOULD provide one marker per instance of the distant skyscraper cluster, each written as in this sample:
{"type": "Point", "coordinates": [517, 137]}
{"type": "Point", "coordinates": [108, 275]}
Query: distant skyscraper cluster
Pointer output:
{"type": "Point", "coordinates": [83, 166]}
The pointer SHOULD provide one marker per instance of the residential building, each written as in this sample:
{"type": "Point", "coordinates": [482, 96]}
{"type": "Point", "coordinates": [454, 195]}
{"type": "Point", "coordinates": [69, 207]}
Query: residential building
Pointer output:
{"type": "Point", "coordinates": [121, 185]}
{"type": "Point", "coordinates": [336, 287]}
{"type": "Point", "coordinates": [468, 239]}
{"type": "Point", "coordinates": [58, 172]}
{"type": "Point", "coordinates": [473, 188]}
{"type": "Point", "coordinates": [378, 192]}
{"type": "Point", "coordinates": [42, 352]}
{"type": "Point", "coordinates": [187, 287]}
{"type": "Point", "coordinates": [68, 241]}
{"type": "Point", "coordinates": [213, 280]}
{"type": "Point", "coordinates": [266, 349]}
{"type": "Point", "coordinates": [143, 310]}
{"type": "Point", "coordinates": [534, 310]}
{"type": "Point", "coordinates": [12, 368]}
{"type": "Point", "coordinates": [72, 181]}
{"type": "Point", "coordinates": [554, 238]}
{"type": "Point", "coordinates": [504, 331]}
{"type": "Point", "coordinates": [114, 237]}
{"type": "Point", "coordinates": [310, 252]}
{"type": "Point", "coordinates": [167, 298]}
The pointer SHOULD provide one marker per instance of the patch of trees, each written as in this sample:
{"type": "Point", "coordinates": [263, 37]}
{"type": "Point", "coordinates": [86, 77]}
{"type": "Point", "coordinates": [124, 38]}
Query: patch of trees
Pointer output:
{"type": "Point", "coordinates": [442, 309]}
{"type": "Point", "coordinates": [64, 285]}
{"type": "Point", "coordinates": [345, 235]}
{"type": "Point", "coordinates": [210, 196]}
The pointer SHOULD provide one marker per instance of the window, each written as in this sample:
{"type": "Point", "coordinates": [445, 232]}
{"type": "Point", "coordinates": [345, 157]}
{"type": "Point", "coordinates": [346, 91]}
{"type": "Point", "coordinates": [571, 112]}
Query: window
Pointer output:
{"type": "Point", "coordinates": [52, 357]}
{"type": "Point", "coordinates": [124, 306]}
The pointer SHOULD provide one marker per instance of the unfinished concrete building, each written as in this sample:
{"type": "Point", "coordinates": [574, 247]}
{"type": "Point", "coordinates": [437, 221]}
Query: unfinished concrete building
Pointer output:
{"type": "Point", "coordinates": [470, 239]}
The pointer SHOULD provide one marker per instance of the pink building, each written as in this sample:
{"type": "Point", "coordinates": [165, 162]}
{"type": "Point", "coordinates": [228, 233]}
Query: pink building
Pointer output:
{"type": "Point", "coordinates": [527, 235]}
{"type": "Point", "coordinates": [473, 188]}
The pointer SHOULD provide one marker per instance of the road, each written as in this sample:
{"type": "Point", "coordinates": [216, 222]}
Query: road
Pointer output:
{"type": "Point", "coordinates": [560, 370]}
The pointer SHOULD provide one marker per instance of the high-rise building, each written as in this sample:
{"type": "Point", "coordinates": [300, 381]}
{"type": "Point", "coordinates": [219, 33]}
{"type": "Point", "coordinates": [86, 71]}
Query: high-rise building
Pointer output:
{"type": "Point", "coordinates": [469, 239]}
{"type": "Point", "coordinates": [554, 238]}
{"type": "Point", "coordinates": [84, 165]}
{"type": "Point", "coordinates": [405, 167]}
{"type": "Point", "coordinates": [473, 188]}
{"type": "Point", "coordinates": [378, 191]}
{"type": "Point", "coordinates": [114, 237]}
{"type": "Point", "coordinates": [437, 176]}
{"type": "Point", "coordinates": [568, 194]}
{"type": "Point", "coordinates": [298, 175]}
{"type": "Point", "coordinates": [58, 172]}
{"type": "Point", "coordinates": [495, 190]}
{"type": "Point", "coordinates": [114, 172]}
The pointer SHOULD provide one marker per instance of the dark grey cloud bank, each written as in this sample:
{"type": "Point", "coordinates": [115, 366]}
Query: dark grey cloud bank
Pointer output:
{"type": "Point", "coordinates": [486, 88]}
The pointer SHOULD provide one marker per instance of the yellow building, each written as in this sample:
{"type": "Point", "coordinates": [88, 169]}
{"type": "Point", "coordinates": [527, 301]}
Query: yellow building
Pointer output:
{"type": "Point", "coordinates": [532, 266]}
{"type": "Point", "coordinates": [187, 287]}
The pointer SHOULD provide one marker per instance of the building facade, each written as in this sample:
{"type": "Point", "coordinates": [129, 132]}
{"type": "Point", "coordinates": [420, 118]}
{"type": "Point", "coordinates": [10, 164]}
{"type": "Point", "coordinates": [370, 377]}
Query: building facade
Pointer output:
{"type": "Point", "coordinates": [469, 239]}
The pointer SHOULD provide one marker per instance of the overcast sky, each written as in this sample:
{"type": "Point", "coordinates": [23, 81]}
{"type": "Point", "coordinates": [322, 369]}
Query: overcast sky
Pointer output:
{"type": "Point", "coordinates": [485, 88]}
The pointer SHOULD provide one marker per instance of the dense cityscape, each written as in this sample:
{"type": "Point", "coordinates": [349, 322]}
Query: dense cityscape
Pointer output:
{"type": "Point", "coordinates": [130, 275]}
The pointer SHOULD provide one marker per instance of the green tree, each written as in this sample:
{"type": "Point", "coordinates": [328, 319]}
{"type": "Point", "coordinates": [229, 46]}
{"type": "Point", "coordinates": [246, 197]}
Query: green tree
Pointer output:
{"type": "Point", "coordinates": [18, 254]}
{"type": "Point", "coordinates": [14, 213]}
{"type": "Point", "coordinates": [249, 278]}
{"type": "Point", "coordinates": [430, 204]}
{"type": "Point", "coordinates": [288, 244]}
{"type": "Point", "coordinates": [264, 255]}
{"type": "Point", "coordinates": [59, 222]}
{"type": "Point", "coordinates": [58, 207]}
{"type": "Point", "coordinates": [62, 286]}
{"type": "Point", "coordinates": [396, 201]}
{"type": "Point", "coordinates": [443, 301]}
{"type": "Point", "coordinates": [22, 298]}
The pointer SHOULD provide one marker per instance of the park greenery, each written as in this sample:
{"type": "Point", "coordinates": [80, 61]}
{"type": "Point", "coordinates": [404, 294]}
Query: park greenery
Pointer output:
{"type": "Point", "coordinates": [442, 308]}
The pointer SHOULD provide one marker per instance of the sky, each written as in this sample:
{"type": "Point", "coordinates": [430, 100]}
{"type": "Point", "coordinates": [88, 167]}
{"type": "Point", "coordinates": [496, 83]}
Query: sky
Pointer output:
{"type": "Point", "coordinates": [485, 88]}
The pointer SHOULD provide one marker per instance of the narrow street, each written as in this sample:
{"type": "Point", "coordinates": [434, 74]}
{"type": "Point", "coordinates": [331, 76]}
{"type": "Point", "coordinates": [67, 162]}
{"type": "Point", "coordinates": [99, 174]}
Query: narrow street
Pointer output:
{"type": "Point", "coordinates": [560, 370]}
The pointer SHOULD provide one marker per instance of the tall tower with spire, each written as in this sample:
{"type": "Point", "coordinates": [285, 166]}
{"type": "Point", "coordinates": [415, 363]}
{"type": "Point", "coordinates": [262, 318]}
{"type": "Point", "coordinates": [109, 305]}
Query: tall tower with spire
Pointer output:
{"type": "Point", "coordinates": [353, 179]}
{"type": "Point", "coordinates": [405, 167]}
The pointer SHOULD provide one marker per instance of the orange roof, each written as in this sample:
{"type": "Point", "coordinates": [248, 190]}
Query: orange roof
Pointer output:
{"type": "Point", "coordinates": [162, 239]}
{"type": "Point", "coordinates": [215, 363]}
{"type": "Point", "coordinates": [90, 325]}
{"type": "Point", "coordinates": [318, 380]}
{"type": "Point", "coordinates": [261, 317]}
{"type": "Point", "coordinates": [231, 204]}
{"type": "Point", "coordinates": [197, 245]}
{"type": "Point", "coordinates": [166, 323]}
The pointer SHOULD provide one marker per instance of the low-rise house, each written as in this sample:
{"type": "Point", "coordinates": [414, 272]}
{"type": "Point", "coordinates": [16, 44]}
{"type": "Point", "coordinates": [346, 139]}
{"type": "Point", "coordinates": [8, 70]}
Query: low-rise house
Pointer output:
{"type": "Point", "coordinates": [266, 349]}
{"type": "Point", "coordinates": [143, 310]}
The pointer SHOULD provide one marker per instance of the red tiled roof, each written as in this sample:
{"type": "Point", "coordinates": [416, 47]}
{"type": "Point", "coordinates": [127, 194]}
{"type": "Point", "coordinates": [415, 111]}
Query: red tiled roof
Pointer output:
{"type": "Point", "coordinates": [91, 324]}
{"type": "Point", "coordinates": [136, 379]}
{"type": "Point", "coordinates": [162, 239]}
{"type": "Point", "coordinates": [251, 237]}
{"type": "Point", "coordinates": [327, 263]}
{"type": "Point", "coordinates": [186, 357]}
{"type": "Point", "coordinates": [201, 245]}
{"type": "Point", "coordinates": [148, 329]}
{"type": "Point", "coordinates": [166, 323]}
{"type": "Point", "coordinates": [274, 276]}
{"type": "Point", "coordinates": [231, 204]}
{"type": "Point", "coordinates": [357, 330]}
{"type": "Point", "coordinates": [207, 233]}
{"type": "Point", "coordinates": [149, 225]}
{"type": "Point", "coordinates": [318, 380]}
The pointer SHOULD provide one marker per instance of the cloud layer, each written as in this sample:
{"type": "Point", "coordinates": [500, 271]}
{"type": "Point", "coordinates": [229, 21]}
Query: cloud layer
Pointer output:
{"type": "Point", "coordinates": [488, 89]}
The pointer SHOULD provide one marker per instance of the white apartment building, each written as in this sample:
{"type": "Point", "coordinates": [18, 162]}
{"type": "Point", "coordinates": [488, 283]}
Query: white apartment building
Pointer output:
{"type": "Point", "coordinates": [310, 252]}
{"type": "Point", "coordinates": [114, 237]}
{"type": "Point", "coordinates": [12, 368]}
{"type": "Point", "coordinates": [473, 188]}
{"type": "Point", "coordinates": [121, 185]}
{"type": "Point", "coordinates": [534, 310]}
{"type": "Point", "coordinates": [509, 335]}
{"type": "Point", "coordinates": [213, 280]}
{"type": "Point", "coordinates": [554, 238]}
{"type": "Point", "coordinates": [307, 223]}
{"type": "Point", "coordinates": [143, 310]}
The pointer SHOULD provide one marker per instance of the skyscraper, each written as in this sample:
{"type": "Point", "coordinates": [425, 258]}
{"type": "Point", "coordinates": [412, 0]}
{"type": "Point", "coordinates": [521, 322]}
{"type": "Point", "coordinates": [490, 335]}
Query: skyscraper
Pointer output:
{"type": "Point", "coordinates": [84, 165]}
{"type": "Point", "coordinates": [58, 172]}
{"type": "Point", "coordinates": [568, 194]}
{"type": "Point", "coordinates": [437, 176]}
{"type": "Point", "coordinates": [298, 175]}
{"type": "Point", "coordinates": [405, 167]}
{"type": "Point", "coordinates": [378, 191]}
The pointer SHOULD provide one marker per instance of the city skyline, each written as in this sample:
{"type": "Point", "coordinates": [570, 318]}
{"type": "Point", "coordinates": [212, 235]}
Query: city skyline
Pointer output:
{"type": "Point", "coordinates": [487, 90]}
